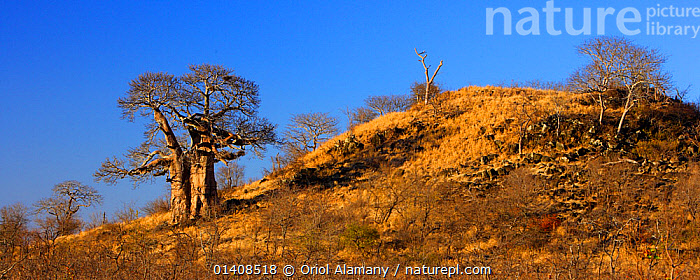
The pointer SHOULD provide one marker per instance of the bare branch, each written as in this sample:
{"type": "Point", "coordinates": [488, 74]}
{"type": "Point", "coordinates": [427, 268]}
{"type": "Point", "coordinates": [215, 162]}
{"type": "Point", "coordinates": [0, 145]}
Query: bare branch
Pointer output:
{"type": "Point", "coordinates": [68, 197]}
{"type": "Point", "coordinates": [384, 104]}
{"type": "Point", "coordinates": [616, 62]}
{"type": "Point", "coordinates": [306, 132]}
{"type": "Point", "coordinates": [435, 73]}
{"type": "Point", "coordinates": [216, 109]}
{"type": "Point", "coordinates": [428, 78]}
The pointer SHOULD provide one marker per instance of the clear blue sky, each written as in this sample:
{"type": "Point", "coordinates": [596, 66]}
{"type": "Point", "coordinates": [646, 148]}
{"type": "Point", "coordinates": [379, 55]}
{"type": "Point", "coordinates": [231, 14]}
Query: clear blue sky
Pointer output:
{"type": "Point", "coordinates": [64, 64]}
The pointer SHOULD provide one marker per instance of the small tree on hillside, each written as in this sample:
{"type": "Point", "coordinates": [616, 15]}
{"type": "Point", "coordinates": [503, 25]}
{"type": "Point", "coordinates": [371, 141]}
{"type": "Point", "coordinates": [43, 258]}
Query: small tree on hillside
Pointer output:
{"type": "Point", "coordinates": [617, 62]}
{"type": "Point", "coordinates": [418, 91]}
{"type": "Point", "coordinates": [359, 116]}
{"type": "Point", "coordinates": [526, 113]}
{"type": "Point", "coordinates": [13, 231]}
{"type": "Point", "coordinates": [13, 223]}
{"type": "Point", "coordinates": [384, 104]}
{"type": "Point", "coordinates": [68, 198]}
{"type": "Point", "coordinates": [306, 132]}
{"type": "Point", "coordinates": [584, 80]}
{"type": "Point", "coordinates": [379, 105]}
{"type": "Point", "coordinates": [229, 176]}
{"type": "Point", "coordinates": [428, 79]}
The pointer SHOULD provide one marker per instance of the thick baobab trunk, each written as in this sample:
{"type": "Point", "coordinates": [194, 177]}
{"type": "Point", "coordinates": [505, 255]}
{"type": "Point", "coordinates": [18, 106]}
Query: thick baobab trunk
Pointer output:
{"type": "Point", "coordinates": [201, 163]}
{"type": "Point", "coordinates": [179, 190]}
{"type": "Point", "coordinates": [203, 183]}
{"type": "Point", "coordinates": [180, 196]}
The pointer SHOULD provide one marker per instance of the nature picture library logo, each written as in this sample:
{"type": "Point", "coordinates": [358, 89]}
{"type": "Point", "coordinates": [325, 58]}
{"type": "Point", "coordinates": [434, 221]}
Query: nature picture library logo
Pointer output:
{"type": "Point", "coordinates": [663, 19]}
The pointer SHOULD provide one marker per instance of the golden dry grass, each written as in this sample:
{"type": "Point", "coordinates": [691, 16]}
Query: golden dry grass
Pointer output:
{"type": "Point", "coordinates": [482, 110]}
{"type": "Point", "coordinates": [428, 217]}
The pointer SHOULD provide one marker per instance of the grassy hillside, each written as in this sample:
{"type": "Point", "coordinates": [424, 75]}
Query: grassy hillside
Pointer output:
{"type": "Point", "coordinates": [523, 181]}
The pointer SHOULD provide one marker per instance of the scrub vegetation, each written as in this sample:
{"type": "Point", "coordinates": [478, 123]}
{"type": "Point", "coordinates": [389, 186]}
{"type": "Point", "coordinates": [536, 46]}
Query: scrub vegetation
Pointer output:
{"type": "Point", "coordinates": [534, 183]}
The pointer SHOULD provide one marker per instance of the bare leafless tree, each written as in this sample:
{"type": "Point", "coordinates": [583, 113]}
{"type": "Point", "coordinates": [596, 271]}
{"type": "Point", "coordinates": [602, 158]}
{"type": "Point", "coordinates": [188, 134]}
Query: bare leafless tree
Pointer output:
{"type": "Point", "coordinates": [13, 222]}
{"type": "Point", "coordinates": [230, 176]}
{"type": "Point", "coordinates": [13, 229]}
{"type": "Point", "coordinates": [526, 113]}
{"type": "Point", "coordinates": [208, 237]}
{"type": "Point", "coordinates": [418, 90]}
{"type": "Point", "coordinates": [617, 62]}
{"type": "Point", "coordinates": [384, 104]}
{"type": "Point", "coordinates": [379, 105]}
{"type": "Point", "coordinates": [428, 79]}
{"type": "Point", "coordinates": [585, 80]}
{"type": "Point", "coordinates": [359, 116]}
{"type": "Point", "coordinates": [68, 198]}
{"type": "Point", "coordinates": [158, 205]}
{"type": "Point", "coordinates": [96, 219]}
{"type": "Point", "coordinates": [127, 213]}
{"type": "Point", "coordinates": [216, 109]}
{"type": "Point", "coordinates": [306, 132]}
{"type": "Point", "coordinates": [643, 76]}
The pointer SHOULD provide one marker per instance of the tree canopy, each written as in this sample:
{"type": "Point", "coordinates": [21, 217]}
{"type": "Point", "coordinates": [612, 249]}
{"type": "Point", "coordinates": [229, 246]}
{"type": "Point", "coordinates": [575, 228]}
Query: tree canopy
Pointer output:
{"type": "Point", "coordinates": [193, 121]}
{"type": "Point", "coordinates": [618, 63]}
{"type": "Point", "coordinates": [306, 132]}
{"type": "Point", "coordinates": [68, 198]}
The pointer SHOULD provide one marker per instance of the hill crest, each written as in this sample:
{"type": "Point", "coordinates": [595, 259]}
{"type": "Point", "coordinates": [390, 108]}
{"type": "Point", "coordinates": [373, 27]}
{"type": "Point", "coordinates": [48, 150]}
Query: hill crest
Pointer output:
{"type": "Point", "coordinates": [481, 176]}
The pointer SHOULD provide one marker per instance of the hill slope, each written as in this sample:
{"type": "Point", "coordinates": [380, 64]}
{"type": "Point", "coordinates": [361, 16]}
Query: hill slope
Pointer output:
{"type": "Point", "coordinates": [523, 181]}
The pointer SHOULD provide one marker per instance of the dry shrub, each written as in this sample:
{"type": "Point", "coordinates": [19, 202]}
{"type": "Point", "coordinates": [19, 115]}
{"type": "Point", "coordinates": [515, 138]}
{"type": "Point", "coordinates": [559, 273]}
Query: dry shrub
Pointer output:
{"type": "Point", "coordinates": [634, 224]}
{"type": "Point", "coordinates": [546, 223]}
{"type": "Point", "coordinates": [656, 149]}
{"type": "Point", "coordinates": [361, 237]}
{"type": "Point", "coordinates": [95, 220]}
{"type": "Point", "coordinates": [127, 214]}
{"type": "Point", "coordinates": [156, 206]}
{"type": "Point", "coordinates": [687, 194]}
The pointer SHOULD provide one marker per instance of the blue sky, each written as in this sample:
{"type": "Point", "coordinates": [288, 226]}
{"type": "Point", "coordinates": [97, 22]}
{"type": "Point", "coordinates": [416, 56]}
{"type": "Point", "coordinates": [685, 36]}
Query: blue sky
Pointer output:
{"type": "Point", "coordinates": [64, 64]}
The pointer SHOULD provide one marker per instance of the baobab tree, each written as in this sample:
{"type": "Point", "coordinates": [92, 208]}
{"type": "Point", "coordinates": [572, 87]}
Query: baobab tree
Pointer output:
{"type": "Point", "coordinates": [211, 106]}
